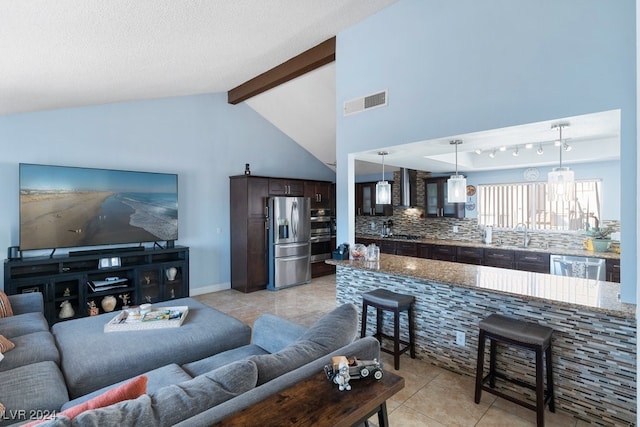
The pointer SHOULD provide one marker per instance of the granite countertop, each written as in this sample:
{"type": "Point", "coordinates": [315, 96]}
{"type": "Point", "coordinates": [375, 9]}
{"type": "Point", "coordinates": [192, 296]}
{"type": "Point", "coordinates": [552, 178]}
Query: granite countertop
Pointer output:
{"type": "Point", "coordinates": [470, 244]}
{"type": "Point", "coordinates": [570, 292]}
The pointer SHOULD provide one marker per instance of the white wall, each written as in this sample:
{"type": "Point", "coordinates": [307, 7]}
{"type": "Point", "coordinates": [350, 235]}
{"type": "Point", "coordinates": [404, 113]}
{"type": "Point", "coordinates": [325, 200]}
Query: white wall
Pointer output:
{"type": "Point", "coordinates": [201, 138]}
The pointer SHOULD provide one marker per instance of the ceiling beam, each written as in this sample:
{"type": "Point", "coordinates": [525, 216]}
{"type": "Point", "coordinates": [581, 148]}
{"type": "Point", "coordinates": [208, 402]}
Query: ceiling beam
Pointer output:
{"type": "Point", "coordinates": [316, 57]}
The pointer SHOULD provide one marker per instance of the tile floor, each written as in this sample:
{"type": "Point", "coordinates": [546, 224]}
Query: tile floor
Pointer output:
{"type": "Point", "coordinates": [431, 397]}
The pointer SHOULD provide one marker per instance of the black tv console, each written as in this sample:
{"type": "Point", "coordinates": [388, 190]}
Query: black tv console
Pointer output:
{"type": "Point", "coordinates": [144, 275]}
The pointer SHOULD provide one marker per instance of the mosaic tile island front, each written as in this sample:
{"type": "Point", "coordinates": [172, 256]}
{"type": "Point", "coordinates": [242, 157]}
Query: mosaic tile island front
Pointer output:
{"type": "Point", "coordinates": [594, 341]}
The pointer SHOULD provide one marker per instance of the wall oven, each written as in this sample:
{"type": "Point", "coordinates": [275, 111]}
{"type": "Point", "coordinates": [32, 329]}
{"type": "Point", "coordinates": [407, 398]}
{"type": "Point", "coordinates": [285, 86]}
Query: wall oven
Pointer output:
{"type": "Point", "coordinates": [321, 230]}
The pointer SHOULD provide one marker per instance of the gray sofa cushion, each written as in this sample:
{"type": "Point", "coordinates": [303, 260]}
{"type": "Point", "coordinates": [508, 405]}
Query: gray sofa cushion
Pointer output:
{"type": "Point", "coordinates": [274, 333]}
{"type": "Point", "coordinates": [31, 348]}
{"type": "Point", "coordinates": [334, 330]}
{"type": "Point", "coordinates": [216, 361]}
{"type": "Point", "coordinates": [156, 379]}
{"type": "Point", "coordinates": [136, 412]}
{"type": "Point", "coordinates": [23, 324]}
{"type": "Point", "coordinates": [39, 386]}
{"type": "Point", "coordinates": [178, 402]}
{"type": "Point", "coordinates": [172, 404]}
{"type": "Point", "coordinates": [205, 331]}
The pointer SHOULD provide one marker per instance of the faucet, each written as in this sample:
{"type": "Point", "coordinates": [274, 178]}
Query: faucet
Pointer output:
{"type": "Point", "coordinates": [526, 239]}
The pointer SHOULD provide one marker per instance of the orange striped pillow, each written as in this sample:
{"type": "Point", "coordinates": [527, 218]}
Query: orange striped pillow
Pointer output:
{"type": "Point", "coordinates": [5, 344]}
{"type": "Point", "coordinates": [5, 305]}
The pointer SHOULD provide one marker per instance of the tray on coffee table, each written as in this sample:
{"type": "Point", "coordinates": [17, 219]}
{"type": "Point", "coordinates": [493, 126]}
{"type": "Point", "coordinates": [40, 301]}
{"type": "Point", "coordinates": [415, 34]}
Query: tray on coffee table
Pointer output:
{"type": "Point", "coordinates": [157, 318]}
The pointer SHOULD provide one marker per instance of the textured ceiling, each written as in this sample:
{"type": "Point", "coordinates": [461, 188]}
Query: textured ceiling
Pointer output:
{"type": "Point", "coordinates": [66, 53]}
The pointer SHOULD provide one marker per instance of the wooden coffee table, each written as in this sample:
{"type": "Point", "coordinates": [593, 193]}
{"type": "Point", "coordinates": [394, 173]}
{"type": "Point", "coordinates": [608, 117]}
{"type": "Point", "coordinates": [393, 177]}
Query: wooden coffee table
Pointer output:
{"type": "Point", "coordinates": [318, 402]}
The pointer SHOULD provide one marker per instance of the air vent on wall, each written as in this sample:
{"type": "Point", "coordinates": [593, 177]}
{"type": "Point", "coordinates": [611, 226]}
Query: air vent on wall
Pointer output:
{"type": "Point", "coordinates": [365, 103]}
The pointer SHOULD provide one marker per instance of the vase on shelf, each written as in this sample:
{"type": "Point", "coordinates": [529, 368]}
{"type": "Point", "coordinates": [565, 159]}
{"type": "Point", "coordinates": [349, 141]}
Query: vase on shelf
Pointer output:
{"type": "Point", "coordinates": [108, 303]}
{"type": "Point", "coordinates": [171, 273]}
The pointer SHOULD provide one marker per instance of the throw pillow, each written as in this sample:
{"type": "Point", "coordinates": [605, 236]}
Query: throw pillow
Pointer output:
{"type": "Point", "coordinates": [129, 390]}
{"type": "Point", "coordinates": [5, 344]}
{"type": "Point", "coordinates": [176, 403]}
{"type": "Point", "coordinates": [5, 305]}
{"type": "Point", "coordinates": [332, 331]}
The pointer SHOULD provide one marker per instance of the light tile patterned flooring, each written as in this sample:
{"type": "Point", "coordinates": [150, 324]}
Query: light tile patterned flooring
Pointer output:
{"type": "Point", "coordinates": [432, 396]}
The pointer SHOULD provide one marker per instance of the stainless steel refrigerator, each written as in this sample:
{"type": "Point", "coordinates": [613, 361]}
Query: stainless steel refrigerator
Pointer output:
{"type": "Point", "coordinates": [289, 244]}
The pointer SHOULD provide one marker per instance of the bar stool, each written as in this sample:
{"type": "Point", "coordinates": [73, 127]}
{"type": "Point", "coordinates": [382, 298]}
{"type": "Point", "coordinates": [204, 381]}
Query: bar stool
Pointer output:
{"type": "Point", "coordinates": [383, 299]}
{"type": "Point", "coordinates": [523, 334]}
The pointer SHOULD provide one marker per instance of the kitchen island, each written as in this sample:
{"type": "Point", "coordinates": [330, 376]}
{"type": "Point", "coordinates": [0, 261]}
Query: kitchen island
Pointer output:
{"type": "Point", "coordinates": [594, 343]}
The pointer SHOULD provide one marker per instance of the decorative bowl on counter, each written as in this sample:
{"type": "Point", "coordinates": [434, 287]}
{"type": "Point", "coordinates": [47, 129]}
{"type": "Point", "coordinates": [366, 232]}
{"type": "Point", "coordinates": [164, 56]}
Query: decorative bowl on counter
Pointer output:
{"type": "Point", "coordinates": [358, 251]}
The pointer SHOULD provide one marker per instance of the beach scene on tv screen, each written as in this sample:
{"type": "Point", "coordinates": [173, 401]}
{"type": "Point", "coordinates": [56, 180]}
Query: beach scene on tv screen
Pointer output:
{"type": "Point", "coordinates": [64, 207]}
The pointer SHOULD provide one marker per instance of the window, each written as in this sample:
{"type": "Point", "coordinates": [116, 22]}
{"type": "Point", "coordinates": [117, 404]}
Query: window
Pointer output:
{"type": "Point", "coordinates": [507, 205]}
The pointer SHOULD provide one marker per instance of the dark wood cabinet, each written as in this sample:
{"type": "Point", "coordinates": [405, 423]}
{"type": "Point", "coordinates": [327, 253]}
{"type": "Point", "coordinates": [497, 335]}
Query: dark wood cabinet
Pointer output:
{"type": "Point", "coordinates": [444, 253]}
{"type": "Point", "coordinates": [142, 274]}
{"type": "Point", "coordinates": [407, 249]}
{"type": "Point", "coordinates": [613, 270]}
{"type": "Point", "coordinates": [498, 258]}
{"type": "Point", "coordinates": [470, 255]}
{"type": "Point", "coordinates": [366, 201]}
{"type": "Point", "coordinates": [387, 246]}
{"type": "Point", "coordinates": [435, 200]}
{"type": "Point", "coordinates": [536, 262]}
{"type": "Point", "coordinates": [424, 250]}
{"type": "Point", "coordinates": [319, 193]}
{"type": "Point", "coordinates": [249, 232]}
{"type": "Point", "coordinates": [286, 187]}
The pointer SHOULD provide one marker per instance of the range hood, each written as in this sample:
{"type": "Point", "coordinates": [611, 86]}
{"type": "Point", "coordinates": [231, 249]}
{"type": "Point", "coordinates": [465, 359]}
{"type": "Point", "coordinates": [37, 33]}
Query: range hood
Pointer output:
{"type": "Point", "coordinates": [408, 187]}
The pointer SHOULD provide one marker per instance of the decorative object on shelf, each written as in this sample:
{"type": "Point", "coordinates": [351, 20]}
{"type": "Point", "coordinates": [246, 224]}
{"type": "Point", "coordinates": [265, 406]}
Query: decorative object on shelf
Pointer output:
{"type": "Point", "coordinates": [67, 292]}
{"type": "Point", "coordinates": [456, 184]}
{"type": "Point", "coordinates": [147, 279]}
{"type": "Point", "coordinates": [66, 311]}
{"type": "Point", "coordinates": [173, 294]}
{"type": "Point", "coordinates": [125, 300]}
{"type": "Point", "coordinates": [108, 303]}
{"type": "Point", "coordinates": [247, 171]}
{"type": "Point", "coordinates": [471, 190]}
{"type": "Point", "coordinates": [383, 188]}
{"type": "Point", "coordinates": [171, 273]}
{"type": "Point", "coordinates": [561, 179]}
{"type": "Point", "coordinates": [93, 309]}
{"type": "Point", "coordinates": [599, 239]}
{"type": "Point", "coordinates": [531, 174]}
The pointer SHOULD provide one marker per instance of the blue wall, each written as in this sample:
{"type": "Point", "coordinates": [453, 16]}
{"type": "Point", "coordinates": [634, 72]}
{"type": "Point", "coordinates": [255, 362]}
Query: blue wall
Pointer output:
{"type": "Point", "coordinates": [202, 138]}
{"type": "Point", "coordinates": [465, 66]}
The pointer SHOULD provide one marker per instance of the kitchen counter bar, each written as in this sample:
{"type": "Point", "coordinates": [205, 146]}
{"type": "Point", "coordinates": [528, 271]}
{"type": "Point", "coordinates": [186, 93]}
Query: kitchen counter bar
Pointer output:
{"type": "Point", "coordinates": [530, 248]}
{"type": "Point", "coordinates": [571, 292]}
{"type": "Point", "coordinates": [594, 341]}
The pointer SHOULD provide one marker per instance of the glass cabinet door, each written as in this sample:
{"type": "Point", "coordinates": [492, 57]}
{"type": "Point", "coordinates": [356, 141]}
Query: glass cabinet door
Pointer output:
{"type": "Point", "coordinates": [431, 201]}
{"type": "Point", "coordinates": [149, 286]}
{"type": "Point", "coordinates": [173, 283]}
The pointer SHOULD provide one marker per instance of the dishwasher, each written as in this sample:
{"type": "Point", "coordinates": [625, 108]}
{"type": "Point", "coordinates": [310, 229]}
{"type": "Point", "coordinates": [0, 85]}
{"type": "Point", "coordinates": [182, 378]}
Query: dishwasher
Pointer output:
{"type": "Point", "coordinates": [578, 266]}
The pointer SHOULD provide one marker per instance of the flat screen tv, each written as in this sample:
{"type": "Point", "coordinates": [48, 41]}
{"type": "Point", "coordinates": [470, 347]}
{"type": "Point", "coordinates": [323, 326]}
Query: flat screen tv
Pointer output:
{"type": "Point", "coordinates": [64, 207]}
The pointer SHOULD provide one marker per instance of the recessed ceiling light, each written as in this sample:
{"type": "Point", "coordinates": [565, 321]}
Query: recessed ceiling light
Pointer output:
{"type": "Point", "coordinates": [503, 148]}
{"type": "Point", "coordinates": [557, 143]}
{"type": "Point", "coordinates": [528, 145]}
{"type": "Point", "coordinates": [478, 151]}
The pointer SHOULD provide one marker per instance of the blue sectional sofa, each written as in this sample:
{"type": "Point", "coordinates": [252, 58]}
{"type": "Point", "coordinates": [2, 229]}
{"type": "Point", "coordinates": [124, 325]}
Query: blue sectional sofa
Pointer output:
{"type": "Point", "coordinates": [183, 388]}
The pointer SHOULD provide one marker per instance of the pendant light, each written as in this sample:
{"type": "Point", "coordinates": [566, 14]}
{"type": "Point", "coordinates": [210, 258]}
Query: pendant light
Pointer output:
{"type": "Point", "coordinates": [383, 188]}
{"type": "Point", "coordinates": [457, 184]}
{"type": "Point", "coordinates": [561, 179]}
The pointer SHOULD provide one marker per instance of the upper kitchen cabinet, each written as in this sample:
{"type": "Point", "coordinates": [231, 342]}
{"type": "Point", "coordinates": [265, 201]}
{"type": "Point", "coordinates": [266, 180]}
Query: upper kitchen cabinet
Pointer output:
{"type": "Point", "coordinates": [366, 201]}
{"type": "Point", "coordinates": [286, 187]}
{"type": "Point", "coordinates": [319, 193]}
{"type": "Point", "coordinates": [435, 200]}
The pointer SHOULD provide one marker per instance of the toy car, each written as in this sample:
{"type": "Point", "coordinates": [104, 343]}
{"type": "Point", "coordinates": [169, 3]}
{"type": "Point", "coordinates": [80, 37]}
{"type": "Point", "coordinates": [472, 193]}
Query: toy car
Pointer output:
{"type": "Point", "coordinates": [342, 370]}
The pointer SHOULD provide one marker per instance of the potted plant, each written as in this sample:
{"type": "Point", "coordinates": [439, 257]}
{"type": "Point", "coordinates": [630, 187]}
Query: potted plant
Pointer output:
{"type": "Point", "coordinates": [600, 238]}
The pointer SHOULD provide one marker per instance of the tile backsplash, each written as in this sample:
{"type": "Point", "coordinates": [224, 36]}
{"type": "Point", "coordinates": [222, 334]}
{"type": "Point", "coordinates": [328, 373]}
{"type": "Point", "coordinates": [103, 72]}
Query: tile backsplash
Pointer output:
{"type": "Point", "coordinates": [412, 221]}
